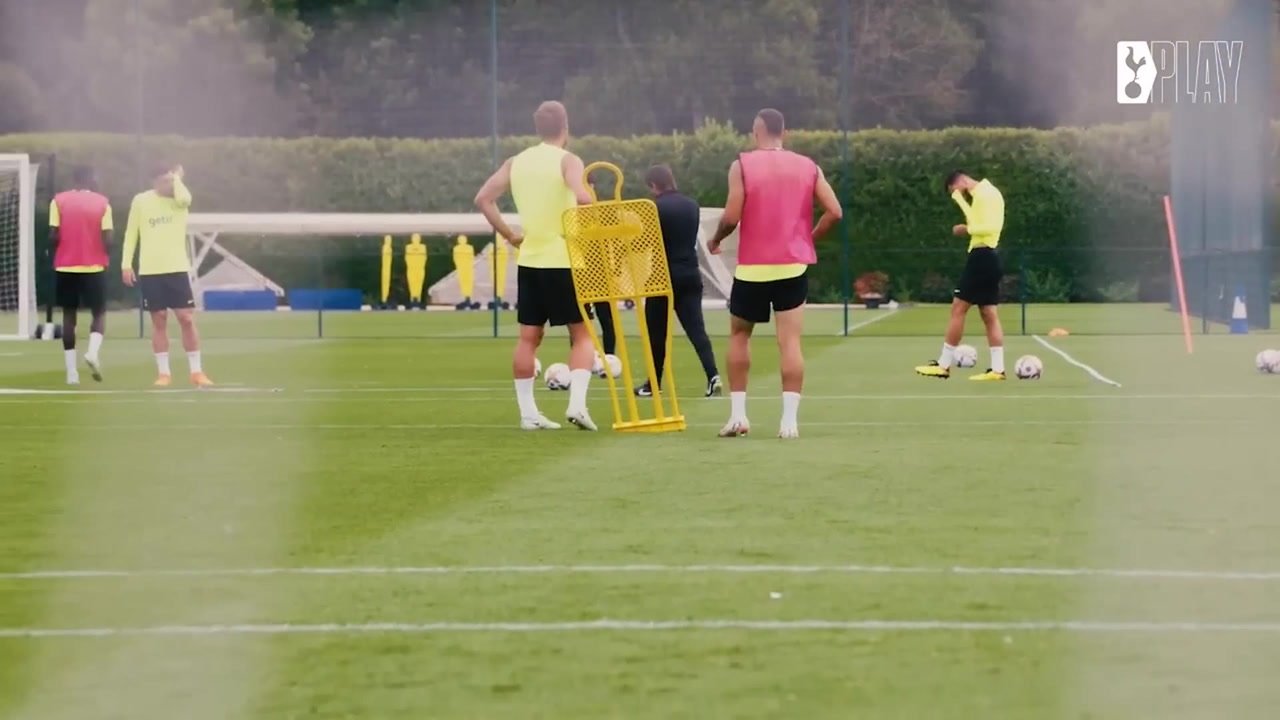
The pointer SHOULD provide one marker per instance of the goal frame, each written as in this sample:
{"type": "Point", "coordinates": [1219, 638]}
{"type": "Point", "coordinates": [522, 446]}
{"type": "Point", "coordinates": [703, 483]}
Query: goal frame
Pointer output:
{"type": "Point", "coordinates": [26, 245]}
{"type": "Point", "coordinates": [204, 231]}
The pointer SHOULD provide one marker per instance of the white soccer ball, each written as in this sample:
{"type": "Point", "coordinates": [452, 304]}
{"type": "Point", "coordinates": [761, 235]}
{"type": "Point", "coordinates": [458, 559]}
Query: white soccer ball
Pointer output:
{"type": "Point", "coordinates": [537, 367]}
{"type": "Point", "coordinates": [1028, 367]}
{"type": "Point", "coordinates": [1268, 361]}
{"type": "Point", "coordinates": [614, 365]}
{"type": "Point", "coordinates": [557, 376]}
{"type": "Point", "coordinates": [966, 356]}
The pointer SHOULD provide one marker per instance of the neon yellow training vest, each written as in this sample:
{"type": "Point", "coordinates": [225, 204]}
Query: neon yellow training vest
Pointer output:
{"type": "Point", "coordinates": [538, 187]}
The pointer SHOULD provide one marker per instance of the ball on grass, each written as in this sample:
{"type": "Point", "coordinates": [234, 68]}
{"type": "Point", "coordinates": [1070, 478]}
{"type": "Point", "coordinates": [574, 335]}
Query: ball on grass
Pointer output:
{"type": "Point", "coordinates": [1028, 367]}
{"type": "Point", "coordinates": [966, 356]}
{"type": "Point", "coordinates": [613, 365]}
{"type": "Point", "coordinates": [1268, 362]}
{"type": "Point", "coordinates": [557, 376]}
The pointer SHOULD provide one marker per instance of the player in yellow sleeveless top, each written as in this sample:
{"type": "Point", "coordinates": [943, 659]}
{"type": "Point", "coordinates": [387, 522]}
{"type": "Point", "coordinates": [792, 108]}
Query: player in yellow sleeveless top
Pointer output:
{"type": "Point", "coordinates": [544, 180]}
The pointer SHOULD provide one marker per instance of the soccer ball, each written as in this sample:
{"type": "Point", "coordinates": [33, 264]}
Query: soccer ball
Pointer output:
{"type": "Point", "coordinates": [1028, 367]}
{"type": "Point", "coordinates": [613, 364]}
{"type": "Point", "coordinates": [966, 356]}
{"type": "Point", "coordinates": [537, 367]}
{"type": "Point", "coordinates": [1268, 361]}
{"type": "Point", "coordinates": [557, 376]}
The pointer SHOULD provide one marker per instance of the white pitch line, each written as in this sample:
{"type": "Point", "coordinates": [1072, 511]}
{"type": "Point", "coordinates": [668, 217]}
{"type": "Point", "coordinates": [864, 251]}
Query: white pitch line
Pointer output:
{"type": "Point", "coordinates": [226, 389]}
{"type": "Point", "coordinates": [859, 325]}
{"type": "Point", "coordinates": [248, 427]}
{"type": "Point", "coordinates": [1089, 370]}
{"type": "Point", "coordinates": [607, 625]}
{"type": "Point", "coordinates": [655, 569]}
{"type": "Point", "coordinates": [13, 396]}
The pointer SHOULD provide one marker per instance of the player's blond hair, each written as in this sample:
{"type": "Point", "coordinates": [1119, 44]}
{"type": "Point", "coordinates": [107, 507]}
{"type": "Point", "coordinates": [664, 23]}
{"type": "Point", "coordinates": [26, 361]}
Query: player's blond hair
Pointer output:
{"type": "Point", "coordinates": [551, 120]}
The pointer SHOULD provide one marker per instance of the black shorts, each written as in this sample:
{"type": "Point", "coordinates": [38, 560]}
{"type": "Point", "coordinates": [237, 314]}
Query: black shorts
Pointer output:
{"type": "Point", "coordinates": [169, 291]}
{"type": "Point", "coordinates": [546, 296]}
{"type": "Point", "coordinates": [752, 301]}
{"type": "Point", "coordinates": [980, 280]}
{"type": "Point", "coordinates": [81, 290]}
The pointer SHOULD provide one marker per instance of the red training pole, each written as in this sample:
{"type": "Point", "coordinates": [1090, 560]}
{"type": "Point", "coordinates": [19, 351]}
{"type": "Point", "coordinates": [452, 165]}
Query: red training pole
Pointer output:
{"type": "Point", "coordinates": [1177, 272]}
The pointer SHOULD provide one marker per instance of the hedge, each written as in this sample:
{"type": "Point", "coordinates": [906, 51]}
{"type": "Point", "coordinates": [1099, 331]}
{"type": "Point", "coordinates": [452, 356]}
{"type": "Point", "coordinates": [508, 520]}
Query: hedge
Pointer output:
{"type": "Point", "coordinates": [1083, 205]}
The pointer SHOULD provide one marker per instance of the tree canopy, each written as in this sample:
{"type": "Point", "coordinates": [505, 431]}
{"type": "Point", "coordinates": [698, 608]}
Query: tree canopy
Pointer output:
{"type": "Point", "coordinates": [422, 68]}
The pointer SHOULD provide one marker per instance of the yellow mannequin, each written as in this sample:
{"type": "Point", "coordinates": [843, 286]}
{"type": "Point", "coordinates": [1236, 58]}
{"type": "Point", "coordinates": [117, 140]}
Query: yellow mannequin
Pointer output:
{"type": "Point", "coordinates": [386, 269]}
{"type": "Point", "coordinates": [464, 264]}
{"type": "Point", "coordinates": [415, 264]}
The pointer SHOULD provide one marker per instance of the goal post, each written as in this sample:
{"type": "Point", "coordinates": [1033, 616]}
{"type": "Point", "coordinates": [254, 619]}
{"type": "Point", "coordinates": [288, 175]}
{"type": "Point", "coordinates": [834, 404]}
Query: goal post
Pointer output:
{"type": "Point", "coordinates": [17, 247]}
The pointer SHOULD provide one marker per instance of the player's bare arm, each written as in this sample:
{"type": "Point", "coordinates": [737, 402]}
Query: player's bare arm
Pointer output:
{"type": "Point", "coordinates": [575, 177]}
{"type": "Point", "coordinates": [732, 209]}
{"type": "Point", "coordinates": [830, 204]}
{"type": "Point", "coordinates": [487, 202]}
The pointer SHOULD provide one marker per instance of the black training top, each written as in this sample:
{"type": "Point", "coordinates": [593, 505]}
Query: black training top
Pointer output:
{"type": "Point", "coordinates": [680, 218]}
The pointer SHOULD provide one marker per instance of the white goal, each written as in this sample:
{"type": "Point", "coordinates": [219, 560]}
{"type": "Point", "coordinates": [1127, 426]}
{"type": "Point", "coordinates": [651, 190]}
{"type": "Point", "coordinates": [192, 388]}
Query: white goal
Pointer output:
{"type": "Point", "coordinates": [17, 247]}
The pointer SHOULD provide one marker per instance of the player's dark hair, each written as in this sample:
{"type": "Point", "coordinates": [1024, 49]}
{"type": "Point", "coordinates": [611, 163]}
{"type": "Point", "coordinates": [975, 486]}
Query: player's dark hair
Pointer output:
{"type": "Point", "coordinates": [83, 178]}
{"type": "Point", "coordinates": [162, 167]}
{"type": "Point", "coordinates": [774, 124]}
{"type": "Point", "coordinates": [661, 177]}
{"type": "Point", "coordinates": [952, 178]}
{"type": "Point", "coordinates": [550, 120]}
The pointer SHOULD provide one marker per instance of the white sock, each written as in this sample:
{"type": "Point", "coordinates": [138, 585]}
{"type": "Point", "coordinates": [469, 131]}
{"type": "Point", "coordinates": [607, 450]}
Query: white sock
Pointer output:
{"type": "Point", "coordinates": [95, 344]}
{"type": "Point", "coordinates": [71, 362]}
{"type": "Point", "coordinates": [790, 408]}
{"type": "Point", "coordinates": [738, 405]}
{"type": "Point", "coordinates": [578, 382]}
{"type": "Point", "coordinates": [997, 359]}
{"type": "Point", "coordinates": [193, 361]}
{"type": "Point", "coordinates": [948, 356]}
{"type": "Point", "coordinates": [524, 398]}
{"type": "Point", "coordinates": [162, 363]}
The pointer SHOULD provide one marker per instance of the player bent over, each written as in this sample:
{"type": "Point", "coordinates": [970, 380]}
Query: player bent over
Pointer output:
{"type": "Point", "coordinates": [157, 230]}
{"type": "Point", "coordinates": [544, 180]}
{"type": "Point", "coordinates": [772, 193]}
{"type": "Point", "coordinates": [980, 280]}
{"type": "Point", "coordinates": [80, 228]}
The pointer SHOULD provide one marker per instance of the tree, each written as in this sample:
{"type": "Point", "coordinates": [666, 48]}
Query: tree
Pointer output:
{"type": "Point", "coordinates": [194, 67]}
{"type": "Point", "coordinates": [23, 106]}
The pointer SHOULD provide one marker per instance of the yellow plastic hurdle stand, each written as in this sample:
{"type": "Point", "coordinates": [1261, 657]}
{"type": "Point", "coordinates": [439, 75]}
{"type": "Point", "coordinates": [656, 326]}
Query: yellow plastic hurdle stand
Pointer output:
{"type": "Point", "coordinates": [616, 253]}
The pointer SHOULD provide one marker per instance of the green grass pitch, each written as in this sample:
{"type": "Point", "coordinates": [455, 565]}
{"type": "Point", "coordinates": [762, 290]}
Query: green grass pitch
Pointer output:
{"type": "Point", "coordinates": [353, 527]}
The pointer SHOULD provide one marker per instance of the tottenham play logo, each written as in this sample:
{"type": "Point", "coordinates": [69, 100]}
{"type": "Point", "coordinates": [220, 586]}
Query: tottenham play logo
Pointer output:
{"type": "Point", "coordinates": [1167, 71]}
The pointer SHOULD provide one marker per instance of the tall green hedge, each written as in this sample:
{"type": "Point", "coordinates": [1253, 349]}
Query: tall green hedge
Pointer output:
{"type": "Point", "coordinates": [1084, 214]}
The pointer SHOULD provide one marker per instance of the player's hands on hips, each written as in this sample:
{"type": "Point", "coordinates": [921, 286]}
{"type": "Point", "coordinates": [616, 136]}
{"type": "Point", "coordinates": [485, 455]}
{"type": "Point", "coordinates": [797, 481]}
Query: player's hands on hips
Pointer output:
{"type": "Point", "coordinates": [516, 241]}
{"type": "Point", "coordinates": [960, 230]}
{"type": "Point", "coordinates": [128, 276]}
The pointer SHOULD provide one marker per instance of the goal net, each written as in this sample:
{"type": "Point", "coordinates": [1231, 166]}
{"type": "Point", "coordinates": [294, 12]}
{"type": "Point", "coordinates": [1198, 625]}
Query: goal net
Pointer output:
{"type": "Point", "coordinates": [17, 247]}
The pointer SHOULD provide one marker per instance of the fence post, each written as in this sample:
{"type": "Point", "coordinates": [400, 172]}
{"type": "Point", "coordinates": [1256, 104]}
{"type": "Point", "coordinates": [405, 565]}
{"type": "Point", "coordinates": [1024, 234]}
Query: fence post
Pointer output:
{"type": "Point", "coordinates": [1022, 289]}
{"type": "Point", "coordinates": [320, 286]}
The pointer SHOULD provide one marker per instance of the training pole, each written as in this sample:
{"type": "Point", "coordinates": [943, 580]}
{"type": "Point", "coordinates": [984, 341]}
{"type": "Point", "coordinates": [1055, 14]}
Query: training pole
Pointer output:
{"type": "Point", "coordinates": [1177, 273]}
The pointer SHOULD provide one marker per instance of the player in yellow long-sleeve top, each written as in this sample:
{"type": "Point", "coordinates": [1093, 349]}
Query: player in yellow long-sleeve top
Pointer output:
{"type": "Point", "coordinates": [980, 280]}
{"type": "Point", "coordinates": [157, 231]}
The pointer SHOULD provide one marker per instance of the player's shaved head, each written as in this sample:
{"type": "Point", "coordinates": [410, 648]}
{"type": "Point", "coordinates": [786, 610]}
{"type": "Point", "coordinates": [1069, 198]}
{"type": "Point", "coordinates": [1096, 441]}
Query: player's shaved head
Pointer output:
{"type": "Point", "coordinates": [772, 121]}
{"type": "Point", "coordinates": [551, 120]}
{"type": "Point", "coordinates": [660, 178]}
{"type": "Point", "coordinates": [83, 177]}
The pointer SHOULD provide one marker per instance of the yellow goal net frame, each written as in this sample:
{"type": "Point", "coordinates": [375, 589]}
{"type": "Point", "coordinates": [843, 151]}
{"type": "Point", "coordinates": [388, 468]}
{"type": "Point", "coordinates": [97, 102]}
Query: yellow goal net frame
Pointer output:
{"type": "Point", "coordinates": [616, 253]}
